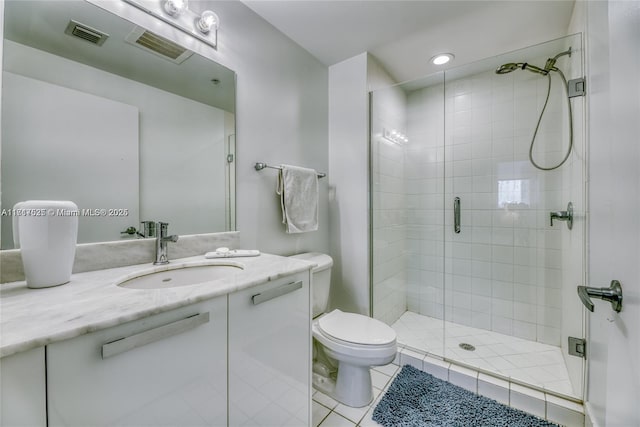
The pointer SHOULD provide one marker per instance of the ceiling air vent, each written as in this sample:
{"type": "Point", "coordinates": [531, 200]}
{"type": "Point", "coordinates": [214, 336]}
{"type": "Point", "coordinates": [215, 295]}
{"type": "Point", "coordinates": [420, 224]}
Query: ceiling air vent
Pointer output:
{"type": "Point", "coordinates": [157, 45]}
{"type": "Point", "coordinates": [86, 33]}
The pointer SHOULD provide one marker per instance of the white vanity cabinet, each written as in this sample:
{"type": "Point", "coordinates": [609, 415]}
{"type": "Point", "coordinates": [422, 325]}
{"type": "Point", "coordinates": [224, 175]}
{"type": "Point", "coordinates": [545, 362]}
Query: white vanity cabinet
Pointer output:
{"type": "Point", "coordinates": [23, 389]}
{"type": "Point", "coordinates": [167, 369]}
{"type": "Point", "coordinates": [270, 354]}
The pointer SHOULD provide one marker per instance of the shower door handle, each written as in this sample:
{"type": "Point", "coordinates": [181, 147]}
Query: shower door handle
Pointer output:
{"type": "Point", "coordinates": [456, 215]}
{"type": "Point", "coordinates": [613, 294]}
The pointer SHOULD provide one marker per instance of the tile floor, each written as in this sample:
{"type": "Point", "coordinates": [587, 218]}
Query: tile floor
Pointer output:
{"type": "Point", "coordinates": [329, 413]}
{"type": "Point", "coordinates": [527, 361]}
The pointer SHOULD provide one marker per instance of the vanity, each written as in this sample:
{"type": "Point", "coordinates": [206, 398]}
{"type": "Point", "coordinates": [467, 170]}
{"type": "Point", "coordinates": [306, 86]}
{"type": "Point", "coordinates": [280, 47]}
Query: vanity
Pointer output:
{"type": "Point", "coordinates": [228, 351]}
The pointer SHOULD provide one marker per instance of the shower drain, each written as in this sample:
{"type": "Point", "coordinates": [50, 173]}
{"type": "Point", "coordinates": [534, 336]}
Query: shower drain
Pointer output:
{"type": "Point", "coordinates": [466, 346]}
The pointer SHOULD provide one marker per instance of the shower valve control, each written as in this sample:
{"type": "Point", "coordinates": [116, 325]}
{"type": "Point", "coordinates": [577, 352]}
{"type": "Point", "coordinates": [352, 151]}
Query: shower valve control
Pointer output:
{"type": "Point", "coordinates": [563, 216]}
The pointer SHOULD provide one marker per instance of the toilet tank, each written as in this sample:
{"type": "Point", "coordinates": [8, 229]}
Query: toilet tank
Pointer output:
{"type": "Point", "coordinates": [320, 280]}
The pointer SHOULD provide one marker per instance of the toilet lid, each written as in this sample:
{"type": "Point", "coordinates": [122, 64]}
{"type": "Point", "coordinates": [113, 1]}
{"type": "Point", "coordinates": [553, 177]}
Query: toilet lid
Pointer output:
{"type": "Point", "coordinates": [356, 328]}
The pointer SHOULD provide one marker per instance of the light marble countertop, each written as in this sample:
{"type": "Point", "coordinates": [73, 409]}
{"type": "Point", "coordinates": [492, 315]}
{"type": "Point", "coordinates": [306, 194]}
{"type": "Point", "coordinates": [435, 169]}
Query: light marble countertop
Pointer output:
{"type": "Point", "coordinates": [91, 301]}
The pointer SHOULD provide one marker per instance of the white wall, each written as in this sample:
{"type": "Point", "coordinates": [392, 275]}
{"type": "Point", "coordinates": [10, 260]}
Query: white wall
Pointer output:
{"type": "Point", "coordinates": [281, 116]}
{"type": "Point", "coordinates": [613, 35]}
{"type": "Point", "coordinates": [349, 84]}
{"type": "Point", "coordinates": [349, 181]}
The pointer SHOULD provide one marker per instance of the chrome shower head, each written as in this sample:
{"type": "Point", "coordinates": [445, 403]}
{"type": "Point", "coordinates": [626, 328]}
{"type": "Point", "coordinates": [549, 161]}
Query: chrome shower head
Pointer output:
{"type": "Point", "coordinates": [549, 66]}
{"type": "Point", "coordinates": [513, 66]}
{"type": "Point", "coordinates": [507, 68]}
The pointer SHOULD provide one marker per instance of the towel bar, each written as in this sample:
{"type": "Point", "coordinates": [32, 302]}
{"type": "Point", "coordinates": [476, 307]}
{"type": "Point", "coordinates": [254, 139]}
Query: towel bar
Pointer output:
{"type": "Point", "coordinates": [259, 166]}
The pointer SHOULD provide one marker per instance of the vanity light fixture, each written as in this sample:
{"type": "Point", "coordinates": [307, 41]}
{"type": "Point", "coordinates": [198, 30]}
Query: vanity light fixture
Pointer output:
{"type": "Point", "coordinates": [176, 7]}
{"type": "Point", "coordinates": [208, 21]}
{"type": "Point", "coordinates": [441, 58]}
{"type": "Point", "coordinates": [176, 13]}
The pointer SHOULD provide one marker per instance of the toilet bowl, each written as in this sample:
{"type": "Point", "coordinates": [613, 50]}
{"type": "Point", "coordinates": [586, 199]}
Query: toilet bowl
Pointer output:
{"type": "Point", "coordinates": [356, 343]}
{"type": "Point", "coordinates": [346, 345]}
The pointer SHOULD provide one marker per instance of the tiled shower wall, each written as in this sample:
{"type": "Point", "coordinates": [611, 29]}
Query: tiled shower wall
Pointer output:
{"type": "Point", "coordinates": [503, 270]}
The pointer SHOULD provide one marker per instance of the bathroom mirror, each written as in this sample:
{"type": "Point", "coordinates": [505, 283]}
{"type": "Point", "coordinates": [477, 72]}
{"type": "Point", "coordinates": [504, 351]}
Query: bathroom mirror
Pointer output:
{"type": "Point", "coordinates": [128, 125]}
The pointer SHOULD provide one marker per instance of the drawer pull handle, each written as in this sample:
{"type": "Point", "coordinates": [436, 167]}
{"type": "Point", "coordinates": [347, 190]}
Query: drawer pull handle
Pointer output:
{"type": "Point", "coordinates": [276, 292]}
{"type": "Point", "coordinates": [152, 335]}
{"type": "Point", "coordinates": [456, 215]}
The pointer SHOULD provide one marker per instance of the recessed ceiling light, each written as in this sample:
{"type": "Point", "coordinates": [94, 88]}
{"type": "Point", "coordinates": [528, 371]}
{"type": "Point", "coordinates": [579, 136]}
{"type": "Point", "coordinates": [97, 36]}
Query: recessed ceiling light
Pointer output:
{"type": "Point", "coordinates": [442, 58]}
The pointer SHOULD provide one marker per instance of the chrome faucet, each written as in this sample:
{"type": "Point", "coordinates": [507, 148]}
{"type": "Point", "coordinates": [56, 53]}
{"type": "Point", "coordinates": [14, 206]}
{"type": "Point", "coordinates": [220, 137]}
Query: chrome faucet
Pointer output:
{"type": "Point", "coordinates": [161, 243]}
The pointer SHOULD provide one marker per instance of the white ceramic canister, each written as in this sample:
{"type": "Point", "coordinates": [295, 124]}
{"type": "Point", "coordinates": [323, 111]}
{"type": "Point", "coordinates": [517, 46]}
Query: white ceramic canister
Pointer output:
{"type": "Point", "coordinates": [46, 232]}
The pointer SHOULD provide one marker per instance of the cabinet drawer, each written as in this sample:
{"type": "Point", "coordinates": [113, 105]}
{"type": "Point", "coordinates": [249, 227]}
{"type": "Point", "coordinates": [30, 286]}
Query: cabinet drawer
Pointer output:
{"type": "Point", "coordinates": [167, 369]}
{"type": "Point", "coordinates": [270, 353]}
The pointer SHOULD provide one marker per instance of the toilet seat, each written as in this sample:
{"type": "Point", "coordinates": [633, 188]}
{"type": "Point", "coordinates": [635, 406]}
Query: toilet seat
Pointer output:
{"type": "Point", "coordinates": [364, 354]}
{"type": "Point", "coordinates": [356, 329]}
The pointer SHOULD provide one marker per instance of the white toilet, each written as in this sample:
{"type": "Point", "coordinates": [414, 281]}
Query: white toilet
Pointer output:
{"type": "Point", "coordinates": [350, 342]}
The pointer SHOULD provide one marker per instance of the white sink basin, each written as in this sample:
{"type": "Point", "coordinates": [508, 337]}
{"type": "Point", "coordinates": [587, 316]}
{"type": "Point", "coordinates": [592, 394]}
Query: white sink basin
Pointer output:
{"type": "Point", "coordinates": [181, 275]}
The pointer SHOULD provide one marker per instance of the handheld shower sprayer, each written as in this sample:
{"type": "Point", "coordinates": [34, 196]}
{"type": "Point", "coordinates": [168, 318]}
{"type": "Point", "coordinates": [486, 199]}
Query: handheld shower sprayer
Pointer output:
{"type": "Point", "coordinates": [549, 66]}
{"type": "Point", "coordinates": [507, 68]}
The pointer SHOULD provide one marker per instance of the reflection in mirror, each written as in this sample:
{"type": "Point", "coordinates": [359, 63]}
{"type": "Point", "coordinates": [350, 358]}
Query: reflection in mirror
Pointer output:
{"type": "Point", "coordinates": [128, 125]}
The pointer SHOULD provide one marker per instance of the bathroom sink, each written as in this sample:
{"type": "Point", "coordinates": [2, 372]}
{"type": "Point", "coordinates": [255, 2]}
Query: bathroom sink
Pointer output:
{"type": "Point", "coordinates": [180, 275]}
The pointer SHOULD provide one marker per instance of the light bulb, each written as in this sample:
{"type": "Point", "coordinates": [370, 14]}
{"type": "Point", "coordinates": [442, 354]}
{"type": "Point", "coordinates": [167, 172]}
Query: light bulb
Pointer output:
{"type": "Point", "coordinates": [176, 7]}
{"type": "Point", "coordinates": [207, 21]}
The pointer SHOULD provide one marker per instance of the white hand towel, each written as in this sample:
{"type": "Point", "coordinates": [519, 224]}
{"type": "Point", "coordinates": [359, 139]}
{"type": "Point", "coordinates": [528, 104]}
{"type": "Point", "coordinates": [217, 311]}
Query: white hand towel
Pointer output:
{"type": "Point", "coordinates": [298, 191]}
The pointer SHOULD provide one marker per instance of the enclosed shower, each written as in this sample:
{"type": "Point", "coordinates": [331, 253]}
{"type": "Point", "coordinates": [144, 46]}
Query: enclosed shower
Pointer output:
{"type": "Point", "coordinates": [476, 175]}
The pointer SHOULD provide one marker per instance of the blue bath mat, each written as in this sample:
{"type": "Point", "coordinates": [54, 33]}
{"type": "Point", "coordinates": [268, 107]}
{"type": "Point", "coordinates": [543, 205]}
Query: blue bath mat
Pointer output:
{"type": "Point", "coordinates": [418, 399]}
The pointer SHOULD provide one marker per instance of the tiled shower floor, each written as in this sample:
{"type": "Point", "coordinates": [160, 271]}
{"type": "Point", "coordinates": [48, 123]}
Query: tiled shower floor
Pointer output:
{"type": "Point", "coordinates": [531, 362]}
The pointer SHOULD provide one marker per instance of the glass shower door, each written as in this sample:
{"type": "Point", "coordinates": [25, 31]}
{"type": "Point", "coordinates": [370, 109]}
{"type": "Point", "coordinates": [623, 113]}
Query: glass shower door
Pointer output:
{"type": "Point", "coordinates": [510, 275]}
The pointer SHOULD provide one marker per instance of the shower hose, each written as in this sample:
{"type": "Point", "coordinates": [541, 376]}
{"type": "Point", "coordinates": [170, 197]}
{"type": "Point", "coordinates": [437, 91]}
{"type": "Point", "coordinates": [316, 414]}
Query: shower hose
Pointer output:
{"type": "Point", "coordinates": [535, 132]}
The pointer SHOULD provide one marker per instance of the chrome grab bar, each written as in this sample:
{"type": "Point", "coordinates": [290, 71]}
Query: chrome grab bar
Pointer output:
{"type": "Point", "coordinates": [613, 294]}
{"type": "Point", "coordinates": [456, 215]}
